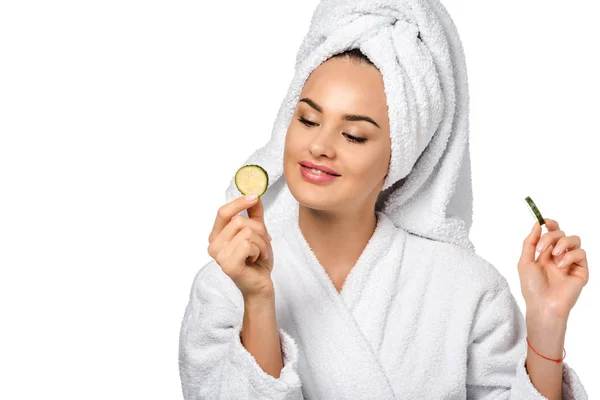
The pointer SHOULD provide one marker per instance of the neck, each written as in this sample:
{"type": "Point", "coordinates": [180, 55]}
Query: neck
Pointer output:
{"type": "Point", "coordinates": [337, 238]}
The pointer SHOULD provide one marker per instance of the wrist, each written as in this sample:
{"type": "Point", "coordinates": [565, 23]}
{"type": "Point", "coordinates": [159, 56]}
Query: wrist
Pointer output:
{"type": "Point", "coordinates": [261, 300]}
{"type": "Point", "coordinates": [546, 334]}
{"type": "Point", "coordinates": [545, 322]}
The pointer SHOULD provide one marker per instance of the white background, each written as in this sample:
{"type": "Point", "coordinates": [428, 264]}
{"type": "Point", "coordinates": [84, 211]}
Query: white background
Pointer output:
{"type": "Point", "coordinates": [123, 122]}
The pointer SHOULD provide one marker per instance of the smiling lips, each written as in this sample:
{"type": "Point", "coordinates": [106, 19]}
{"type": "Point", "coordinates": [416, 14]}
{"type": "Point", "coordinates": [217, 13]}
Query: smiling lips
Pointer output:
{"type": "Point", "coordinates": [316, 176]}
{"type": "Point", "coordinates": [318, 168]}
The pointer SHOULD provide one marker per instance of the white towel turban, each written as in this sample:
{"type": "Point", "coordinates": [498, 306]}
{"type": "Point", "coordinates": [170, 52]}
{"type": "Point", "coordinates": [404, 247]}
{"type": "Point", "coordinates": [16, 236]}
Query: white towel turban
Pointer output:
{"type": "Point", "coordinates": [416, 47]}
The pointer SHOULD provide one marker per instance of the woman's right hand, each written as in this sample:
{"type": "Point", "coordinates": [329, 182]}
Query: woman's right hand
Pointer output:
{"type": "Point", "coordinates": [242, 247]}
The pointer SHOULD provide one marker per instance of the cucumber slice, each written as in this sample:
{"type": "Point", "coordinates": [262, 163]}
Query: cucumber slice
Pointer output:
{"type": "Point", "coordinates": [252, 179]}
{"type": "Point", "coordinates": [534, 209]}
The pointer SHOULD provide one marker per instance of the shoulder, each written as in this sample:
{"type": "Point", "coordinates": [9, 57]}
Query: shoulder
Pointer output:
{"type": "Point", "coordinates": [461, 266]}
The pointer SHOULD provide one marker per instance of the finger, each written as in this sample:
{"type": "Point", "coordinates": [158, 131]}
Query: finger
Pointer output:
{"type": "Point", "coordinates": [232, 257]}
{"type": "Point", "coordinates": [245, 250]}
{"type": "Point", "coordinates": [530, 243]}
{"type": "Point", "coordinates": [257, 212]}
{"type": "Point", "coordinates": [549, 239]}
{"type": "Point", "coordinates": [566, 243]}
{"type": "Point", "coordinates": [228, 211]}
{"type": "Point", "coordinates": [249, 235]}
{"type": "Point", "coordinates": [257, 226]}
{"type": "Point", "coordinates": [577, 257]}
{"type": "Point", "coordinates": [232, 229]}
{"type": "Point", "coordinates": [574, 263]}
{"type": "Point", "coordinates": [579, 267]}
{"type": "Point", "coordinates": [545, 256]}
{"type": "Point", "coordinates": [238, 223]}
{"type": "Point", "coordinates": [551, 224]}
{"type": "Point", "coordinates": [546, 246]}
{"type": "Point", "coordinates": [228, 258]}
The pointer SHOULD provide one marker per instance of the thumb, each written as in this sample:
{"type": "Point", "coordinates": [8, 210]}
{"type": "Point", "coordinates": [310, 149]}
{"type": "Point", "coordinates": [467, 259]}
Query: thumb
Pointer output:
{"type": "Point", "coordinates": [530, 243]}
{"type": "Point", "coordinates": [257, 211]}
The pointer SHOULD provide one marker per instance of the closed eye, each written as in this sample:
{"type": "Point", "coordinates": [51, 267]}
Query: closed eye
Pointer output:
{"type": "Point", "coordinates": [350, 138]}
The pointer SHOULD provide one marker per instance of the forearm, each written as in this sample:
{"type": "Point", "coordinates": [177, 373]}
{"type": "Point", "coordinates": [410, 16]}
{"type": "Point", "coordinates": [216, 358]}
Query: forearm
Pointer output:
{"type": "Point", "coordinates": [547, 336]}
{"type": "Point", "coordinates": [260, 334]}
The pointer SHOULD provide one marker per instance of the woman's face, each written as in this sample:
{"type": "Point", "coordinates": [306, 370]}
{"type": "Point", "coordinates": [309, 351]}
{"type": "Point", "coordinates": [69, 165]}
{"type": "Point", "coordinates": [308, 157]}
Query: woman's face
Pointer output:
{"type": "Point", "coordinates": [357, 150]}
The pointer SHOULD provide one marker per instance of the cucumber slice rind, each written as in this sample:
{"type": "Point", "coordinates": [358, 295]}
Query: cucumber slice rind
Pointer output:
{"type": "Point", "coordinates": [252, 179]}
{"type": "Point", "coordinates": [535, 210]}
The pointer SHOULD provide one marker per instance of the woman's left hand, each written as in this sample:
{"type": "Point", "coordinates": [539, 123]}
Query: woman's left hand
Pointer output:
{"type": "Point", "coordinates": [548, 288]}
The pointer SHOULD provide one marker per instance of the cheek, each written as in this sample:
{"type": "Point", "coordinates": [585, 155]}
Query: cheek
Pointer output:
{"type": "Point", "coordinates": [291, 151]}
{"type": "Point", "coordinates": [367, 167]}
{"type": "Point", "coordinates": [293, 143]}
{"type": "Point", "coordinates": [357, 166]}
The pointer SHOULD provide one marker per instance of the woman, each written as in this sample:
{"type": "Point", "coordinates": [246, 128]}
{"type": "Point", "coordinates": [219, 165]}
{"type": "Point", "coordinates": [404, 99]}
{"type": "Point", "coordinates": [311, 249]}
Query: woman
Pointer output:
{"type": "Point", "coordinates": [369, 287]}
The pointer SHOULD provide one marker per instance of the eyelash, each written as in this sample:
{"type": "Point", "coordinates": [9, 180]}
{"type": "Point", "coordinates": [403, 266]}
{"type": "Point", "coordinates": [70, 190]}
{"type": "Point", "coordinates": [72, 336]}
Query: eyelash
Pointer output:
{"type": "Point", "coordinates": [352, 139]}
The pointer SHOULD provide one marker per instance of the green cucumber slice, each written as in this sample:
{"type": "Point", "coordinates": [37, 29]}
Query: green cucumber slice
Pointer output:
{"type": "Point", "coordinates": [252, 179]}
{"type": "Point", "coordinates": [534, 209]}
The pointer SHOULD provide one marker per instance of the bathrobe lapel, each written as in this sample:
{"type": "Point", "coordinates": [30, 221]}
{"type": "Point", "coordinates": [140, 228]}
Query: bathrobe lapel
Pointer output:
{"type": "Point", "coordinates": [335, 343]}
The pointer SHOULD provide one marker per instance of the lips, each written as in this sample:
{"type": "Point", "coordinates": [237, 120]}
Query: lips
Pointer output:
{"type": "Point", "coordinates": [327, 170]}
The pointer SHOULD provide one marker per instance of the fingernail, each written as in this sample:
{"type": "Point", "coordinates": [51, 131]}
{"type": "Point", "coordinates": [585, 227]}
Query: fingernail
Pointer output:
{"type": "Point", "coordinates": [560, 263]}
{"type": "Point", "coordinates": [556, 251]}
{"type": "Point", "coordinates": [251, 197]}
{"type": "Point", "coordinates": [540, 247]}
{"type": "Point", "coordinates": [270, 238]}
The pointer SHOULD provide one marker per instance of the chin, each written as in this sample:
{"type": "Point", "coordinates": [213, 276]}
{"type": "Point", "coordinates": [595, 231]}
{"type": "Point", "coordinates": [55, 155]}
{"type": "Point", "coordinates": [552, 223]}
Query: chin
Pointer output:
{"type": "Point", "coordinates": [312, 196]}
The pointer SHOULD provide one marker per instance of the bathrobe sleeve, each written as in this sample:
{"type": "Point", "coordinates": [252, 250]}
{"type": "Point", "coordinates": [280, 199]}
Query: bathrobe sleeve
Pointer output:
{"type": "Point", "coordinates": [213, 363]}
{"type": "Point", "coordinates": [497, 352]}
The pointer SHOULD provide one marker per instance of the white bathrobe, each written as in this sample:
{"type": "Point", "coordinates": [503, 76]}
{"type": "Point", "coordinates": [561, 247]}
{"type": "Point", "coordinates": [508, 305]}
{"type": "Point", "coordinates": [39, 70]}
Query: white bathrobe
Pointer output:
{"type": "Point", "coordinates": [416, 319]}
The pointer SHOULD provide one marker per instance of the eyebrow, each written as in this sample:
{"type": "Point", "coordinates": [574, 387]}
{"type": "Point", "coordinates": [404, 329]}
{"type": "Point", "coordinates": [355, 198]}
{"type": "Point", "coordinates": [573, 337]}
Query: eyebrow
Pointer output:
{"type": "Point", "coordinates": [347, 117]}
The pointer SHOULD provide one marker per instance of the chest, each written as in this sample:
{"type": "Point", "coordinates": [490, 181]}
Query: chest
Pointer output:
{"type": "Point", "coordinates": [388, 341]}
{"type": "Point", "coordinates": [338, 276]}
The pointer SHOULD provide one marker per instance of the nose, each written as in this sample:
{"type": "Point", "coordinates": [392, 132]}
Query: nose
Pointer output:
{"type": "Point", "coordinates": [322, 144]}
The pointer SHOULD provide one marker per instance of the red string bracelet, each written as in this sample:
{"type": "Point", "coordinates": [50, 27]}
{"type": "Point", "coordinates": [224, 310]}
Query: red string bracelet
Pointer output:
{"type": "Point", "coordinates": [556, 361]}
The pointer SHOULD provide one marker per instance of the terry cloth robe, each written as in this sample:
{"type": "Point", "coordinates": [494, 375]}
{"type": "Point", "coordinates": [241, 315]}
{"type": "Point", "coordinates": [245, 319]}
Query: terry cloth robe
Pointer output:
{"type": "Point", "coordinates": [416, 319]}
